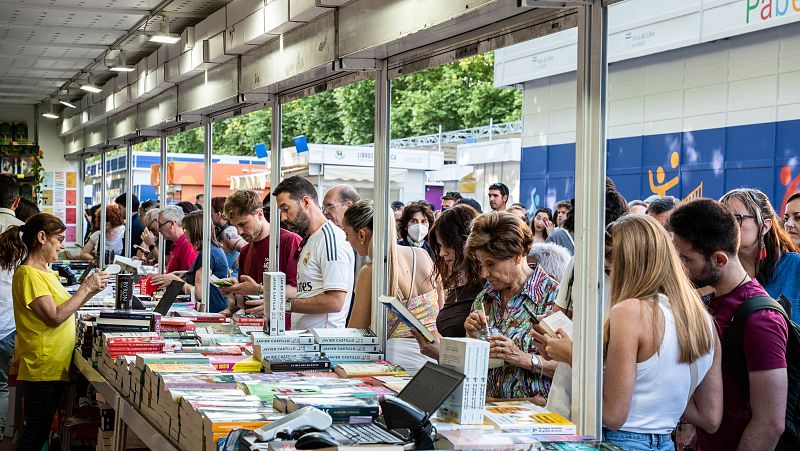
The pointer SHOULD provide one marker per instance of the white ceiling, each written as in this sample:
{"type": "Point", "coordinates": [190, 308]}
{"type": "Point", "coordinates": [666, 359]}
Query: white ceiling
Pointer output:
{"type": "Point", "coordinates": [46, 43]}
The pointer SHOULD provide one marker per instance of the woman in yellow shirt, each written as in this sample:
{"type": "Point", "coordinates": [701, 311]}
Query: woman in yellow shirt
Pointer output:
{"type": "Point", "coordinates": [43, 312]}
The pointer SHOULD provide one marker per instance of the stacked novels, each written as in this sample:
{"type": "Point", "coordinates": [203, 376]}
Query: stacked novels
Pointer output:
{"type": "Point", "coordinates": [199, 317]}
{"type": "Point", "coordinates": [294, 351]}
{"type": "Point", "coordinates": [113, 344]}
{"type": "Point", "coordinates": [275, 302]}
{"type": "Point", "coordinates": [177, 324]}
{"type": "Point", "coordinates": [369, 369]}
{"type": "Point", "coordinates": [471, 358]}
{"type": "Point", "coordinates": [248, 320]}
{"type": "Point", "coordinates": [85, 338]}
{"type": "Point", "coordinates": [128, 321]}
{"type": "Point", "coordinates": [527, 417]}
{"type": "Point", "coordinates": [348, 345]}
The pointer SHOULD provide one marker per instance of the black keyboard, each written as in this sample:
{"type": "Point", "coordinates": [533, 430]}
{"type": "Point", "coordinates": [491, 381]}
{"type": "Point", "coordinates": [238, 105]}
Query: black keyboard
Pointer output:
{"type": "Point", "coordinates": [366, 434]}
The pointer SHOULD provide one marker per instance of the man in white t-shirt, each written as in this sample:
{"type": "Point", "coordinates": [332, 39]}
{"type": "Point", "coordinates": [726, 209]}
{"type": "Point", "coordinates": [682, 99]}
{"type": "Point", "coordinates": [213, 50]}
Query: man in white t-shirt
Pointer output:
{"type": "Point", "coordinates": [325, 263]}
{"type": "Point", "coordinates": [9, 199]}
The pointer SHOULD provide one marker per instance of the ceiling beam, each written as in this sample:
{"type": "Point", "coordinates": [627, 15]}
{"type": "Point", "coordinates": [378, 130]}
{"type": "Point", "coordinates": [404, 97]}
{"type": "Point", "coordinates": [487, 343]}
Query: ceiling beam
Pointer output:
{"type": "Point", "coordinates": [69, 71]}
{"type": "Point", "coordinates": [65, 45]}
{"type": "Point", "coordinates": [45, 58]}
{"type": "Point", "coordinates": [187, 15]}
{"type": "Point", "coordinates": [21, 26]}
{"type": "Point", "coordinates": [77, 8]}
{"type": "Point", "coordinates": [20, 77]}
{"type": "Point", "coordinates": [11, 86]}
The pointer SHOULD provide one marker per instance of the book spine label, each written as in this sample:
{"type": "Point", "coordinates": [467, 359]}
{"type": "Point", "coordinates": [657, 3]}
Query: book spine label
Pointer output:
{"type": "Point", "coordinates": [348, 340]}
{"type": "Point", "coordinates": [353, 357]}
{"type": "Point", "coordinates": [266, 349]}
{"type": "Point", "coordinates": [296, 366]}
{"type": "Point", "coordinates": [282, 340]}
{"type": "Point", "coordinates": [349, 348]}
{"type": "Point", "coordinates": [275, 299]}
{"type": "Point", "coordinates": [290, 356]}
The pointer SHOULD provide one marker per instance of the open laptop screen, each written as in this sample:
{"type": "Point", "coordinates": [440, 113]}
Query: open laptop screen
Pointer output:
{"type": "Point", "coordinates": [172, 292]}
{"type": "Point", "coordinates": [430, 387]}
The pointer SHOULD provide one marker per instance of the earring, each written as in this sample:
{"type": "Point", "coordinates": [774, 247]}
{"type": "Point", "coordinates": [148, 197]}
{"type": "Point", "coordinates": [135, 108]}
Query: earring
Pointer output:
{"type": "Point", "coordinates": [763, 254]}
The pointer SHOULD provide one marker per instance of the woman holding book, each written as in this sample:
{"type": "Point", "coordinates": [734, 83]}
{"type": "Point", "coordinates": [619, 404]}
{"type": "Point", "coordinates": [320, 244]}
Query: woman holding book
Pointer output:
{"type": "Point", "coordinates": [662, 356]}
{"type": "Point", "coordinates": [506, 309]}
{"type": "Point", "coordinates": [460, 275]}
{"type": "Point", "coordinates": [410, 270]}
{"type": "Point", "coordinates": [43, 313]}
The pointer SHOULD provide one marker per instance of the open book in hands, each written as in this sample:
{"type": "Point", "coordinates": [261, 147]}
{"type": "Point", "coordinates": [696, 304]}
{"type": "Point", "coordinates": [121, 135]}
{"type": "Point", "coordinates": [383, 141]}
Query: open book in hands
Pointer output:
{"type": "Point", "coordinates": [397, 307]}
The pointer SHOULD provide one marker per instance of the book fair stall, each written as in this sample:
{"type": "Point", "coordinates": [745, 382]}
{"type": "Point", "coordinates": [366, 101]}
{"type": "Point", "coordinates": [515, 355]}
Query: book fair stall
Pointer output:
{"type": "Point", "coordinates": [168, 375]}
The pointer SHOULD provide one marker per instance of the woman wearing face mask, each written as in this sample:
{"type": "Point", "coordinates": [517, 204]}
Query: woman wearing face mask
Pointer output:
{"type": "Point", "coordinates": [414, 225]}
{"type": "Point", "coordinates": [410, 280]}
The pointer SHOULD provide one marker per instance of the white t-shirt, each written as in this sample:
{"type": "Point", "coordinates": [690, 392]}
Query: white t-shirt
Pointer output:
{"type": "Point", "coordinates": [7, 219]}
{"type": "Point", "coordinates": [326, 264]}
{"type": "Point", "coordinates": [113, 242]}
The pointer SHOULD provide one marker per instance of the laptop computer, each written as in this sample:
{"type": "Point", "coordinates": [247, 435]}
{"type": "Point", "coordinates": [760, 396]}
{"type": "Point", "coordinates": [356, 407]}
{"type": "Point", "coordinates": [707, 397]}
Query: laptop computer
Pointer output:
{"type": "Point", "coordinates": [172, 292]}
{"type": "Point", "coordinates": [428, 390]}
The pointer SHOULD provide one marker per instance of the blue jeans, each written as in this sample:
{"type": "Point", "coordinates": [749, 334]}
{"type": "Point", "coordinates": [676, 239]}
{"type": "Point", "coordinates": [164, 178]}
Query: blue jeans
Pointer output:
{"type": "Point", "coordinates": [42, 400]}
{"type": "Point", "coordinates": [6, 354]}
{"type": "Point", "coordinates": [635, 441]}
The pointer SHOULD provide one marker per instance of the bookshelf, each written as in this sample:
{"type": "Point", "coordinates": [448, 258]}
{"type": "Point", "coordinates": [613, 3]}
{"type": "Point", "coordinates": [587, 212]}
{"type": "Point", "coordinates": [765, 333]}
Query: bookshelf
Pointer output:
{"type": "Point", "coordinates": [24, 161]}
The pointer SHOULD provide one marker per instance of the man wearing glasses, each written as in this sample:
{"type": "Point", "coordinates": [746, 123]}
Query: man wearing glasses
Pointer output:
{"type": "Point", "coordinates": [336, 201]}
{"type": "Point", "coordinates": [169, 224]}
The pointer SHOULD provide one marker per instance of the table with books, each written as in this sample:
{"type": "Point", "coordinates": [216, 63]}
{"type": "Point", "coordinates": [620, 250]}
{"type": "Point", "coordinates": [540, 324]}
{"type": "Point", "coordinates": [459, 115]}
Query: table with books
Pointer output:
{"type": "Point", "coordinates": [186, 380]}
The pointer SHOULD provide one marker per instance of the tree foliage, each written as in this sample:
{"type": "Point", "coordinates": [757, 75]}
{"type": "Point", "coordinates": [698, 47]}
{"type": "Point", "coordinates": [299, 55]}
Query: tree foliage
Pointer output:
{"type": "Point", "coordinates": [456, 96]}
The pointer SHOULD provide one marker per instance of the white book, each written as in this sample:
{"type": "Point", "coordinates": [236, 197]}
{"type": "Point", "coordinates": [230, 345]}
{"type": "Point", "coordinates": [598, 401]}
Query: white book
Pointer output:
{"type": "Point", "coordinates": [275, 303]}
{"type": "Point", "coordinates": [344, 336]}
{"type": "Point", "coordinates": [291, 337]}
{"type": "Point", "coordinates": [471, 358]}
{"type": "Point", "coordinates": [557, 320]}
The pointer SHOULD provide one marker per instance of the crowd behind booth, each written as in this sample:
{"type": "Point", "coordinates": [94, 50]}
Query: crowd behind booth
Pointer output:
{"type": "Point", "coordinates": [700, 302]}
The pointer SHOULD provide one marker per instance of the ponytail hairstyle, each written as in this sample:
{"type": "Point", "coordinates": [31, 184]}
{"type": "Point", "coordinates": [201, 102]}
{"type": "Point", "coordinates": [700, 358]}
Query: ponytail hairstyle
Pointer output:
{"type": "Point", "coordinates": [359, 217]}
{"type": "Point", "coordinates": [17, 242]}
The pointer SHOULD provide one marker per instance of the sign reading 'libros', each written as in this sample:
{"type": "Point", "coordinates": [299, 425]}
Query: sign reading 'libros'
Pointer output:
{"type": "Point", "coordinates": [758, 10]}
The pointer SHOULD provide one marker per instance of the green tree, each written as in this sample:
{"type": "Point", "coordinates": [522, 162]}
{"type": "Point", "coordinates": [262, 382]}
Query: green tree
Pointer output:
{"type": "Point", "coordinates": [456, 96]}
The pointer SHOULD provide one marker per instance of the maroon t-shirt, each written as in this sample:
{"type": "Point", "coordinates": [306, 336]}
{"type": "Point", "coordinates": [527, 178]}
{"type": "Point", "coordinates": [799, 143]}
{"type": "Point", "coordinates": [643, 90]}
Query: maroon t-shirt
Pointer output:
{"type": "Point", "coordinates": [254, 258]}
{"type": "Point", "coordinates": [765, 336]}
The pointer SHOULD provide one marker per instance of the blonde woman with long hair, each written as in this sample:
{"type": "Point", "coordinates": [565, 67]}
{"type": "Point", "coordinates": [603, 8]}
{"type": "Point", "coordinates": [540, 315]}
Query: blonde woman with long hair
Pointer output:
{"type": "Point", "coordinates": [662, 354]}
{"type": "Point", "coordinates": [410, 270]}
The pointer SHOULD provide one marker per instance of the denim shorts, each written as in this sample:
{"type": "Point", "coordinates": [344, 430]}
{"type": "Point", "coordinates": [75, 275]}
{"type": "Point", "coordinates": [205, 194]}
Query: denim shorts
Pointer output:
{"type": "Point", "coordinates": [636, 441]}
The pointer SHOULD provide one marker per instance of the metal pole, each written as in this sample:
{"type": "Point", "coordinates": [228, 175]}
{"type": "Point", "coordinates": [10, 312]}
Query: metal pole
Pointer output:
{"type": "Point", "coordinates": [274, 179]}
{"type": "Point", "coordinates": [207, 230]}
{"type": "Point", "coordinates": [380, 241]}
{"type": "Point", "coordinates": [129, 201]}
{"type": "Point", "coordinates": [162, 202]}
{"type": "Point", "coordinates": [590, 174]}
{"type": "Point", "coordinates": [80, 232]}
{"type": "Point", "coordinates": [101, 242]}
{"type": "Point", "coordinates": [440, 138]}
{"type": "Point", "coordinates": [491, 123]}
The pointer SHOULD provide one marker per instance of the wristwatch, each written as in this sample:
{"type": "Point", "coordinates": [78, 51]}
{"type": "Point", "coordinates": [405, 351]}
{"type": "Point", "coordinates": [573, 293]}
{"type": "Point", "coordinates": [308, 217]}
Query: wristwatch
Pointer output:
{"type": "Point", "coordinates": [288, 305]}
{"type": "Point", "coordinates": [536, 362]}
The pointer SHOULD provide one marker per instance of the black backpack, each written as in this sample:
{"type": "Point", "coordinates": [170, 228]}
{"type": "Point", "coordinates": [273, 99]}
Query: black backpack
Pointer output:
{"type": "Point", "coordinates": [733, 348]}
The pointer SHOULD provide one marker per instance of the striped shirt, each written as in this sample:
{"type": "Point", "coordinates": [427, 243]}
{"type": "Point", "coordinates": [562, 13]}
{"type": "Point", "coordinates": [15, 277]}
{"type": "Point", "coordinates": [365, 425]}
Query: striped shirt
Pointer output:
{"type": "Point", "coordinates": [536, 297]}
{"type": "Point", "coordinates": [325, 264]}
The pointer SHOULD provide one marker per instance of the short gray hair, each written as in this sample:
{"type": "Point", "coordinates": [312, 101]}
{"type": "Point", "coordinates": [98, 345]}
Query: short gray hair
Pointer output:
{"type": "Point", "coordinates": [152, 214]}
{"type": "Point", "coordinates": [552, 258]}
{"type": "Point", "coordinates": [171, 213]}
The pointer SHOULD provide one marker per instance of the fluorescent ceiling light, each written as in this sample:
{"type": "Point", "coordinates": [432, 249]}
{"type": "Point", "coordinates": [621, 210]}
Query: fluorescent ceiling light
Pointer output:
{"type": "Point", "coordinates": [122, 68]}
{"type": "Point", "coordinates": [165, 38]}
{"type": "Point", "coordinates": [67, 104]}
{"type": "Point", "coordinates": [91, 88]}
{"type": "Point", "coordinates": [50, 116]}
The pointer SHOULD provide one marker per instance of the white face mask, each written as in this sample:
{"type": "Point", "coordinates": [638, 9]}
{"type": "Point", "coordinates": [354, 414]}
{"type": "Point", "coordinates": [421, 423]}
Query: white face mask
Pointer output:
{"type": "Point", "coordinates": [418, 232]}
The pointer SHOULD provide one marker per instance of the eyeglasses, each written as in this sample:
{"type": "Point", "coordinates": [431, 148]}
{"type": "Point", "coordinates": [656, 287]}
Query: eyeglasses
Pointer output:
{"type": "Point", "coordinates": [162, 224]}
{"type": "Point", "coordinates": [61, 238]}
{"type": "Point", "coordinates": [328, 207]}
{"type": "Point", "coordinates": [740, 218]}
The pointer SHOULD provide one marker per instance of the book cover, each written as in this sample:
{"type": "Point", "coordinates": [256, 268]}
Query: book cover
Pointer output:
{"type": "Point", "coordinates": [344, 336]}
{"type": "Point", "coordinates": [369, 369]}
{"type": "Point", "coordinates": [238, 364]}
{"type": "Point", "coordinates": [526, 416]}
{"type": "Point", "coordinates": [349, 348]}
{"type": "Point", "coordinates": [267, 392]}
{"type": "Point", "coordinates": [402, 313]}
{"type": "Point", "coordinates": [339, 408]}
{"type": "Point", "coordinates": [469, 357]}
{"type": "Point", "coordinates": [291, 338]}
{"type": "Point", "coordinates": [273, 356]}
{"type": "Point", "coordinates": [557, 320]}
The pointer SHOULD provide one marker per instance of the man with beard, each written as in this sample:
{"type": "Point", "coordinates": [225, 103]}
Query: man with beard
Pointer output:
{"type": "Point", "coordinates": [706, 236]}
{"type": "Point", "coordinates": [325, 264]}
{"type": "Point", "coordinates": [244, 210]}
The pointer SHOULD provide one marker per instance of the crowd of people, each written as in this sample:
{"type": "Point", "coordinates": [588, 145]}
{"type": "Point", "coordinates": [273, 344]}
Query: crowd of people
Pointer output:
{"type": "Point", "coordinates": [677, 356]}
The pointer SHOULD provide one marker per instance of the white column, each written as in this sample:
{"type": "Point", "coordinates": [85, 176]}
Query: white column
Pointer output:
{"type": "Point", "coordinates": [274, 180]}
{"type": "Point", "coordinates": [129, 201]}
{"type": "Point", "coordinates": [208, 141]}
{"type": "Point", "coordinates": [380, 222]}
{"type": "Point", "coordinates": [162, 202]}
{"type": "Point", "coordinates": [101, 243]}
{"type": "Point", "coordinates": [590, 174]}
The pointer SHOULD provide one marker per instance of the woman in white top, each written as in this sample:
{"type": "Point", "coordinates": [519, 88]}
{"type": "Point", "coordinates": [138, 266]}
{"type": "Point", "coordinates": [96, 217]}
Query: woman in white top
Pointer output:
{"type": "Point", "coordinates": [662, 354]}
{"type": "Point", "coordinates": [115, 233]}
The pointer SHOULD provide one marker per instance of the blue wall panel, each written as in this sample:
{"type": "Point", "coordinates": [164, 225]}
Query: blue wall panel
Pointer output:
{"type": "Point", "coordinates": [695, 163]}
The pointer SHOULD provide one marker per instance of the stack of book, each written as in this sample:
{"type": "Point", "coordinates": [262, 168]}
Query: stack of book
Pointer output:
{"type": "Point", "coordinates": [294, 351]}
{"type": "Point", "coordinates": [84, 338]}
{"type": "Point", "coordinates": [525, 416]}
{"type": "Point", "coordinates": [177, 324]}
{"type": "Point", "coordinates": [469, 357]}
{"type": "Point", "coordinates": [199, 317]}
{"type": "Point", "coordinates": [275, 302]}
{"type": "Point", "coordinates": [113, 344]}
{"type": "Point", "coordinates": [380, 368]}
{"type": "Point", "coordinates": [248, 320]}
{"type": "Point", "coordinates": [128, 321]}
{"type": "Point", "coordinates": [348, 345]}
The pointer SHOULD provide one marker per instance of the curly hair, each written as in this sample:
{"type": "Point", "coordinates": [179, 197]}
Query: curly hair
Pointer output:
{"type": "Point", "coordinates": [409, 211]}
{"type": "Point", "coordinates": [115, 215]}
{"type": "Point", "coordinates": [451, 229]}
{"type": "Point", "coordinates": [500, 234]}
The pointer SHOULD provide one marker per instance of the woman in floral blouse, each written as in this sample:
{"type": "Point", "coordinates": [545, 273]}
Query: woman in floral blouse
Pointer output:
{"type": "Point", "coordinates": [507, 307]}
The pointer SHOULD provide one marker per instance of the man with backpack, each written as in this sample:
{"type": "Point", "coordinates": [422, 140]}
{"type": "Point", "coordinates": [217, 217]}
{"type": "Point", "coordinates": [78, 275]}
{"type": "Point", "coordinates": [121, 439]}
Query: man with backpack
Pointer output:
{"type": "Point", "coordinates": [754, 343]}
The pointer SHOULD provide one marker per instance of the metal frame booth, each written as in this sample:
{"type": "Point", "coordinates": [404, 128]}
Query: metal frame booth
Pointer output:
{"type": "Point", "coordinates": [230, 65]}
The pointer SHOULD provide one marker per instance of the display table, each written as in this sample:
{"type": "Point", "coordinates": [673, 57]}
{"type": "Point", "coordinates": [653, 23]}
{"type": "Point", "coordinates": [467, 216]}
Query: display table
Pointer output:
{"type": "Point", "coordinates": [127, 417]}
